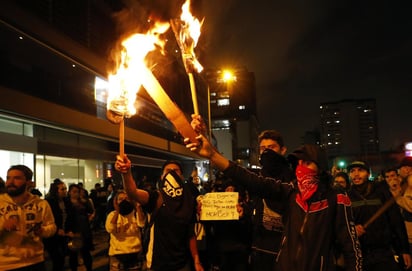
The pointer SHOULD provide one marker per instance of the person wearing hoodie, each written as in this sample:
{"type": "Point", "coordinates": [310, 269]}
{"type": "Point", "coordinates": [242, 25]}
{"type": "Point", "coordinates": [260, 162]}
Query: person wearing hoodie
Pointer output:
{"type": "Point", "coordinates": [317, 217]}
{"type": "Point", "coordinates": [25, 220]}
{"type": "Point", "coordinates": [267, 221]}
{"type": "Point", "coordinates": [384, 236]}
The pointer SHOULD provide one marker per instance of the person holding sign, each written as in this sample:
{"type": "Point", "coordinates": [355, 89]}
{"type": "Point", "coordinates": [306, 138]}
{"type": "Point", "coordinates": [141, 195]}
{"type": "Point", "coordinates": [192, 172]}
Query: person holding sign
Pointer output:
{"type": "Point", "coordinates": [317, 217]}
{"type": "Point", "coordinates": [231, 235]}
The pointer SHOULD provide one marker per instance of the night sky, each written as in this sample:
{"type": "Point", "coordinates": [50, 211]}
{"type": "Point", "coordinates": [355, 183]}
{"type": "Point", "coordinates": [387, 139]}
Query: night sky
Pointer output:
{"type": "Point", "coordinates": [304, 53]}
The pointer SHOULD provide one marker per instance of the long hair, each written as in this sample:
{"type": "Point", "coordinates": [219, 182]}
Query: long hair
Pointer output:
{"type": "Point", "coordinates": [54, 188]}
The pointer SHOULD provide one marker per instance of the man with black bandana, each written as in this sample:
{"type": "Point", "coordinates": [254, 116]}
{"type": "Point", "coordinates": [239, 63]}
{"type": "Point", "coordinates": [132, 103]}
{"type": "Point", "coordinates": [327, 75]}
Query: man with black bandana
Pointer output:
{"type": "Point", "coordinates": [267, 222]}
{"type": "Point", "coordinates": [172, 210]}
{"type": "Point", "coordinates": [316, 218]}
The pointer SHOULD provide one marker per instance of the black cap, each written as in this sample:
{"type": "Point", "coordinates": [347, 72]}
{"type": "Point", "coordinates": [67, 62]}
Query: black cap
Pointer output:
{"type": "Point", "coordinates": [309, 152]}
{"type": "Point", "coordinates": [360, 164]}
{"type": "Point", "coordinates": [407, 161]}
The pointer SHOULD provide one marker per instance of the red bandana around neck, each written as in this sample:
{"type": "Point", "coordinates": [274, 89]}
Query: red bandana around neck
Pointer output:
{"type": "Point", "coordinates": [308, 181]}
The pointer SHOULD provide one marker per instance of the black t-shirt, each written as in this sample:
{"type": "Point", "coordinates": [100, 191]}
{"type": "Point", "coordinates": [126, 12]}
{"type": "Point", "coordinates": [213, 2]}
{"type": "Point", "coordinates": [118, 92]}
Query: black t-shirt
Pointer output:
{"type": "Point", "coordinates": [173, 225]}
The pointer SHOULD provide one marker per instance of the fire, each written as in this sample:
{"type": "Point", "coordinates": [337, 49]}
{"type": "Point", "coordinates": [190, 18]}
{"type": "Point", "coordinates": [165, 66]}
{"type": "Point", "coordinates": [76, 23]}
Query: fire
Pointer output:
{"type": "Point", "coordinates": [125, 82]}
{"type": "Point", "coordinates": [132, 73]}
{"type": "Point", "coordinates": [194, 25]}
{"type": "Point", "coordinates": [187, 31]}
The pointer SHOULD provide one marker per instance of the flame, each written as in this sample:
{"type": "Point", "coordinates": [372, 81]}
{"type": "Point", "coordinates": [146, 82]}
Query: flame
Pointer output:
{"type": "Point", "coordinates": [187, 31]}
{"type": "Point", "coordinates": [125, 82]}
{"type": "Point", "coordinates": [194, 25]}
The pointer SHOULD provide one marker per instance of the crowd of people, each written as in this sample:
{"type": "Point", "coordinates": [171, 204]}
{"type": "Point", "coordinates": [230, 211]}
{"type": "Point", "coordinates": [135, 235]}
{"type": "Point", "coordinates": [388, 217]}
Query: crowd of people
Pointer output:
{"type": "Point", "coordinates": [339, 221]}
{"type": "Point", "coordinates": [295, 213]}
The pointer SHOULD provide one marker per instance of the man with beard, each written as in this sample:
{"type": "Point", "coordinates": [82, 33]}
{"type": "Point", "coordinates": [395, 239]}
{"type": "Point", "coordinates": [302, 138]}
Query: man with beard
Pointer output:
{"type": "Point", "coordinates": [24, 220]}
{"type": "Point", "coordinates": [267, 222]}
{"type": "Point", "coordinates": [387, 233]}
{"type": "Point", "coordinates": [172, 209]}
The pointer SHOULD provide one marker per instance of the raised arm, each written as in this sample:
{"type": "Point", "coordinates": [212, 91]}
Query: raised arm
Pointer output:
{"type": "Point", "coordinates": [265, 187]}
{"type": "Point", "coordinates": [123, 165]}
{"type": "Point", "coordinates": [203, 147]}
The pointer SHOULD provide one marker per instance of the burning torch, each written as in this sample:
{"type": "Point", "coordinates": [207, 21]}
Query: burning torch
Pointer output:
{"type": "Point", "coordinates": [132, 73]}
{"type": "Point", "coordinates": [187, 32]}
{"type": "Point", "coordinates": [116, 112]}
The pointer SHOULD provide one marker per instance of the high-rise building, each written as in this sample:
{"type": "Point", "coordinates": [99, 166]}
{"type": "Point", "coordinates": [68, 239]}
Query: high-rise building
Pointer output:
{"type": "Point", "coordinates": [349, 127]}
{"type": "Point", "coordinates": [233, 110]}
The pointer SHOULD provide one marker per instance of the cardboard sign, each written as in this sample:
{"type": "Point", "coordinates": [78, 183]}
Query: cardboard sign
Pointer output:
{"type": "Point", "coordinates": [220, 206]}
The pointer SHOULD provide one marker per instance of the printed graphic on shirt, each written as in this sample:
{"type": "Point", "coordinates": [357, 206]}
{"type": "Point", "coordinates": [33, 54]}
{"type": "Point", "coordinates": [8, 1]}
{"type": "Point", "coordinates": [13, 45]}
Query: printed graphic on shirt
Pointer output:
{"type": "Point", "coordinates": [172, 187]}
{"type": "Point", "coordinates": [271, 220]}
{"type": "Point", "coordinates": [27, 223]}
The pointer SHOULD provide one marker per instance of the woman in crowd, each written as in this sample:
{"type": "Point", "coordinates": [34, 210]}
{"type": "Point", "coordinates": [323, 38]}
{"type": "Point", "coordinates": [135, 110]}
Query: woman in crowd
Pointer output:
{"type": "Point", "coordinates": [124, 225]}
{"type": "Point", "coordinates": [77, 227]}
{"type": "Point", "coordinates": [56, 245]}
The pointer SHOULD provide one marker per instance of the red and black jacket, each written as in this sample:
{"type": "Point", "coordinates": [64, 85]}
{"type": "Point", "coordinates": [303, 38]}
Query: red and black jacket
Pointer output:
{"type": "Point", "coordinates": [310, 234]}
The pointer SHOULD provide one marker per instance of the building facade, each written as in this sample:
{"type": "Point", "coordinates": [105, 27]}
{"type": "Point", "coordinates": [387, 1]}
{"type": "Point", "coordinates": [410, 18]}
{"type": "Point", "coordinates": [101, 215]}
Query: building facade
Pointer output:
{"type": "Point", "coordinates": [51, 119]}
{"type": "Point", "coordinates": [349, 127]}
{"type": "Point", "coordinates": [233, 111]}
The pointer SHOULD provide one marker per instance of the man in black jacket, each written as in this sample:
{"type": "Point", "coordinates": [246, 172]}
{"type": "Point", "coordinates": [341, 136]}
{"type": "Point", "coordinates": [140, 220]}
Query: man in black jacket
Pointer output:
{"type": "Point", "coordinates": [317, 217]}
{"type": "Point", "coordinates": [385, 234]}
{"type": "Point", "coordinates": [267, 222]}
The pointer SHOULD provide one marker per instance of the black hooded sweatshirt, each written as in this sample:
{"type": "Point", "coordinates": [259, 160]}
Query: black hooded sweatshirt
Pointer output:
{"type": "Point", "coordinates": [310, 235]}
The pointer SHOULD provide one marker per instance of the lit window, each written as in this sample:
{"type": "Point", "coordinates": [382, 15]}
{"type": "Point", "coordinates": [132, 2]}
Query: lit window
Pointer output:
{"type": "Point", "coordinates": [223, 102]}
{"type": "Point", "coordinates": [221, 124]}
{"type": "Point", "coordinates": [100, 89]}
{"type": "Point", "coordinates": [337, 121]}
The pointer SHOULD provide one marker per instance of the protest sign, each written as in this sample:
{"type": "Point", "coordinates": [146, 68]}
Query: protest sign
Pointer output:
{"type": "Point", "coordinates": [220, 206]}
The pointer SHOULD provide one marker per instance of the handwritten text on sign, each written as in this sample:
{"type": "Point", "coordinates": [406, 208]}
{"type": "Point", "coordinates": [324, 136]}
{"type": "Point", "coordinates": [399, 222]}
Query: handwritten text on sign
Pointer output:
{"type": "Point", "coordinates": [219, 206]}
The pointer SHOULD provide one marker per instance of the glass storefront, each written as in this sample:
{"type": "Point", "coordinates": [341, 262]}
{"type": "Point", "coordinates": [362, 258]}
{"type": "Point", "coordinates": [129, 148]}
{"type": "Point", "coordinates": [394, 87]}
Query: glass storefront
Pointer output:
{"type": "Point", "coordinates": [52, 152]}
{"type": "Point", "coordinates": [14, 149]}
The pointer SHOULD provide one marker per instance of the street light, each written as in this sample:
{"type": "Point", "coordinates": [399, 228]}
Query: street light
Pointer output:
{"type": "Point", "coordinates": [228, 76]}
{"type": "Point", "coordinates": [341, 164]}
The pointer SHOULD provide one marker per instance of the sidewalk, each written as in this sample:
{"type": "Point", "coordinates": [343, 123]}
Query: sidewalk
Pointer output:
{"type": "Point", "coordinates": [99, 254]}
